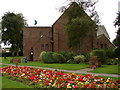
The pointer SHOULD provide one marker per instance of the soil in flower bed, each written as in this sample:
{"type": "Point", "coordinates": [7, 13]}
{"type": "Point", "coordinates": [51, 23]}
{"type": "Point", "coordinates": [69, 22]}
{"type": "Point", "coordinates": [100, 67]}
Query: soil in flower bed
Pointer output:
{"type": "Point", "coordinates": [39, 78]}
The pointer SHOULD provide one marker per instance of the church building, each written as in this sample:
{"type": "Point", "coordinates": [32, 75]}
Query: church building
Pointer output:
{"type": "Point", "coordinates": [54, 38]}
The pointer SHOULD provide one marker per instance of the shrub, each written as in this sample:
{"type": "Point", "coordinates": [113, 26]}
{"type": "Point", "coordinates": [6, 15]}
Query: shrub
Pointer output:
{"type": "Point", "coordinates": [87, 56]}
{"type": "Point", "coordinates": [47, 57]}
{"type": "Point", "coordinates": [79, 58]}
{"type": "Point", "coordinates": [59, 58]}
{"type": "Point", "coordinates": [42, 55]}
{"type": "Point", "coordinates": [112, 61]}
{"type": "Point", "coordinates": [71, 61]}
{"type": "Point", "coordinates": [109, 53]}
{"type": "Point", "coordinates": [67, 55]}
{"type": "Point", "coordinates": [100, 53]}
{"type": "Point", "coordinates": [117, 52]}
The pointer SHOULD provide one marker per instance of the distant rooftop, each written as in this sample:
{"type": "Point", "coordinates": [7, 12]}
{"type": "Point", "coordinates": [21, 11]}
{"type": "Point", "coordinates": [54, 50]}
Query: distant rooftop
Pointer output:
{"type": "Point", "coordinates": [102, 30]}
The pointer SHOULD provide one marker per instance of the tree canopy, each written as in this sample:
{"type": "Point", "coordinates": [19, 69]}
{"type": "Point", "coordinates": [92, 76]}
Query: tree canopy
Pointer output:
{"type": "Point", "coordinates": [117, 39]}
{"type": "Point", "coordinates": [87, 5]}
{"type": "Point", "coordinates": [12, 28]}
{"type": "Point", "coordinates": [78, 26]}
{"type": "Point", "coordinates": [117, 23]}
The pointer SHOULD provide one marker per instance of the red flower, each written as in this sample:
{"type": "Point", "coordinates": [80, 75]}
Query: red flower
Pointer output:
{"type": "Point", "coordinates": [86, 86]}
{"type": "Point", "coordinates": [32, 78]}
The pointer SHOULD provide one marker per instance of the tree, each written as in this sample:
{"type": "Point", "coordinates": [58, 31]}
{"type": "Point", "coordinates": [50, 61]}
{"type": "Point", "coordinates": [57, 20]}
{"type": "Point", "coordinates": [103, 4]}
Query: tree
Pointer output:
{"type": "Point", "coordinates": [12, 30]}
{"type": "Point", "coordinates": [87, 5]}
{"type": "Point", "coordinates": [78, 26]}
{"type": "Point", "coordinates": [117, 23]}
{"type": "Point", "coordinates": [117, 39]}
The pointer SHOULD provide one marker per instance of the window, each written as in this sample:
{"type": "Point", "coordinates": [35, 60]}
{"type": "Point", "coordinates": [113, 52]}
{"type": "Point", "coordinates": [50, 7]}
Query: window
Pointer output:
{"type": "Point", "coordinates": [101, 45]}
{"type": "Point", "coordinates": [42, 46]}
{"type": "Point", "coordinates": [105, 45]}
{"type": "Point", "coordinates": [46, 46]}
{"type": "Point", "coordinates": [97, 42]}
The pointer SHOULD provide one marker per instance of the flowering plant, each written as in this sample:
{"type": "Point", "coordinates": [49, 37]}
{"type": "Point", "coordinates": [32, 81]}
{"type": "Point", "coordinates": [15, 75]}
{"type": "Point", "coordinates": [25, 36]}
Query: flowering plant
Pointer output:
{"type": "Point", "coordinates": [52, 79]}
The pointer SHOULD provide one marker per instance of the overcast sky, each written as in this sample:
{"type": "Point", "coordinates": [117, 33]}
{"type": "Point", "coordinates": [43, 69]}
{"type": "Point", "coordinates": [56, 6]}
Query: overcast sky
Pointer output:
{"type": "Point", "coordinates": [46, 11]}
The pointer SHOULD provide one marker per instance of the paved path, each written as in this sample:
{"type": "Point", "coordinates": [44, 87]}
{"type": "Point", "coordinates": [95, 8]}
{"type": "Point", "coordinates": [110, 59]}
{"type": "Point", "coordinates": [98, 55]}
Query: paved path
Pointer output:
{"type": "Point", "coordinates": [83, 71]}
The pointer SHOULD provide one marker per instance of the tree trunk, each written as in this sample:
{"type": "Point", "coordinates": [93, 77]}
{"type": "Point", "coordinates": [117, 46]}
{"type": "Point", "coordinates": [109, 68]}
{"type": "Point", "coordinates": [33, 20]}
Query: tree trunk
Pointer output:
{"type": "Point", "coordinates": [13, 53]}
{"type": "Point", "coordinates": [17, 53]}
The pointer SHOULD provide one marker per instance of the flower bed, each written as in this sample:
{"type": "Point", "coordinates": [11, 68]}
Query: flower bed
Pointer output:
{"type": "Point", "coordinates": [39, 78]}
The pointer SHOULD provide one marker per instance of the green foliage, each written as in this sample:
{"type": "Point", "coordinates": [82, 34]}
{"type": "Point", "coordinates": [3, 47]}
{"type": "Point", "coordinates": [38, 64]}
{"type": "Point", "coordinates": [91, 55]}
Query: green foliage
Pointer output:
{"type": "Point", "coordinates": [117, 39]}
{"type": "Point", "coordinates": [88, 6]}
{"type": "Point", "coordinates": [79, 58]}
{"type": "Point", "coordinates": [59, 58]}
{"type": "Point", "coordinates": [117, 52]}
{"type": "Point", "coordinates": [71, 61]}
{"type": "Point", "coordinates": [68, 55]}
{"type": "Point", "coordinates": [100, 53]}
{"type": "Point", "coordinates": [112, 61]}
{"type": "Point", "coordinates": [109, 53]}
{"type": "Point", "coordinates": [78, 26]}
{"type": "Point", "coordinates": [12, 26]}
{"type": "Point", "coordinates": [42, 55]}
{"type": "Point", "coordinates": [87, 56]}
{"type": "Point", "coordinates": [47, 57]}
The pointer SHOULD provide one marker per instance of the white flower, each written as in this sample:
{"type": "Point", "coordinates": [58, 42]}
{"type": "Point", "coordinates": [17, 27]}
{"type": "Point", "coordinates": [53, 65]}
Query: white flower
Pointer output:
{"type": "Point", "coordinates": [23, 74]}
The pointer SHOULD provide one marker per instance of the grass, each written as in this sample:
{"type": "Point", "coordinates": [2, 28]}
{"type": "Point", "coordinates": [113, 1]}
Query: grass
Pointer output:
{"type": "Point", "coordinates": [57, 66]}
{"type": "Point", "coordinates": [7, 83]}
{"type": "Point", "coordinates": [109, 69]}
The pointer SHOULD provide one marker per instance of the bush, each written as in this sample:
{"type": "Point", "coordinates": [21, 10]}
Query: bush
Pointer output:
{"type": "Point", "coordinates": [100, 53]}
{"type": "Point", "coordinates": [68, 55]}
{"type": "Point", "coordinates": [109, 53]}
{"type": "Point", "coordinates": [59, 58]}
{"type": "Point", "coordinates": [112, 61]}
{"type": "Point", "coordinates": [79, 58]}
{"type": "Point", "coordinates": [117, 52]}
{"type": "Point", "coordinates": [87, 56]}
{"type": "Point", "coordinates": [71, 61]}
{"type": "Point", "coordinates": [47, 57]}
{"type": "Point", "coordinates": [42, 55]}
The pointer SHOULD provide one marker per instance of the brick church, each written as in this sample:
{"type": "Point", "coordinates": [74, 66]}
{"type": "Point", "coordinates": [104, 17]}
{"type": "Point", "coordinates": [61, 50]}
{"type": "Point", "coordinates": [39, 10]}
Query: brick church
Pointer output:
{"type": "Point", "coordinates": [54, 38]}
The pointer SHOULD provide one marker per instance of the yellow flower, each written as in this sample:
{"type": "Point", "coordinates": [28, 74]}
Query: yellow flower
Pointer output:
{"type": "Point", "coordinates": [40, 84]}
{"type": "Point", "coordinates": [40, 80]}
{"type": "Point", "coordinates": [107, 81]}
{"type": "Point", "coordinates": [68, 86]}
{"type": "Point", "coordinates": [50, 80]}
{"type": "Point", "coordinates": [86, 82]}
{"type": "Point", "coordinates": [73, 73]}
{"type": "Point", "coordinates": [54, 84]}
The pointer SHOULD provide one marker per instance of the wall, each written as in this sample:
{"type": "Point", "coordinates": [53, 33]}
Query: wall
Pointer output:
{"type": "Point", "coordinates": [32, 39]}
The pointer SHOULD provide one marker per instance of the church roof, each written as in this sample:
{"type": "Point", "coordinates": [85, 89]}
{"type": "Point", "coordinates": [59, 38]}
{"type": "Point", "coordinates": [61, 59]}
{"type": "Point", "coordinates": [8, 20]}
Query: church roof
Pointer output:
{"type": "Point", "coordinates": [102, 31]}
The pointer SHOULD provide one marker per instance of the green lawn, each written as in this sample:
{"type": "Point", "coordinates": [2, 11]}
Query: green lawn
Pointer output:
{"type": "Point", "coordinates": [109, 69]}
{"type": "Point", "coordinates": [7, 83]}
{"type": "Point", "coordinates": [57, 66]}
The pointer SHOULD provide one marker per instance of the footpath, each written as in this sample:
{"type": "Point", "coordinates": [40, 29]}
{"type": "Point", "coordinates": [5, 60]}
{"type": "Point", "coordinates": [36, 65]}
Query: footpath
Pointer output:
{"type": "Point", "coordinates": [82, 71]}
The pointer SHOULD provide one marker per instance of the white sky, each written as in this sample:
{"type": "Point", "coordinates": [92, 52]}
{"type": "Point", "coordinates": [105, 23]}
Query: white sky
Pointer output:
{"type": "Point", "coordinates": [44, 11]}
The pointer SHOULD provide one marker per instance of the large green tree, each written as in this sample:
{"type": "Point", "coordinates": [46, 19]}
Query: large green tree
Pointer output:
{"type": "Point", "coordinates": [117, 39]}
{"type": "Point", "coordinates": [12, 30]}
{"type": "Point", "coordinates": [87, 5]}
{"type": "Point", "coordinates": [78, 26]}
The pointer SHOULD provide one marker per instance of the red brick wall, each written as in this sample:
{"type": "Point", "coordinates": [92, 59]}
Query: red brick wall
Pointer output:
{"type": "Point", "coordinates": [60, 38]}
{"type": "Point", "coordinates": [104, 40]}
{"type": "Point", "coordinates": [31, 38]}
